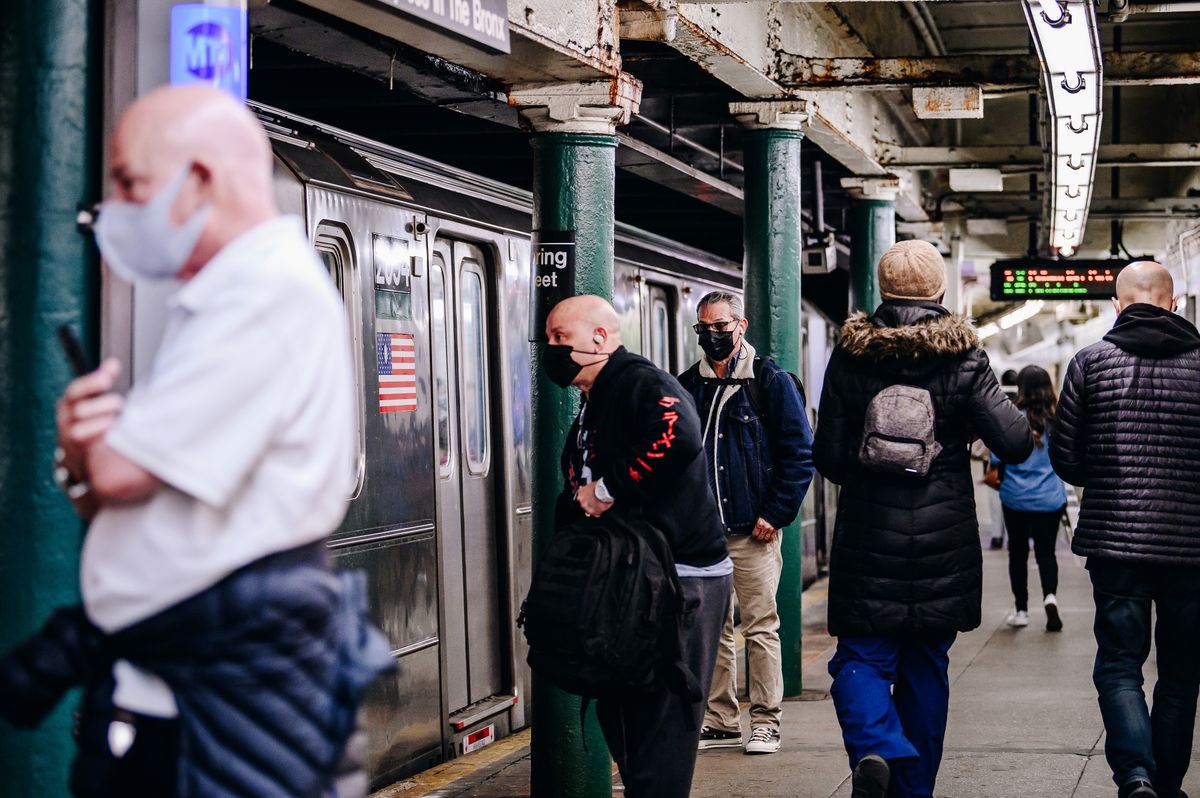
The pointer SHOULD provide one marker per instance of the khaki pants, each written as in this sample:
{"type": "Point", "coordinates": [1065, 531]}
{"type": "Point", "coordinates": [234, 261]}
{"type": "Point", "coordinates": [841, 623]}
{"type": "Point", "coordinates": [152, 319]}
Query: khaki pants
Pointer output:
{"type": "Point", "coordinates": [756, 570]}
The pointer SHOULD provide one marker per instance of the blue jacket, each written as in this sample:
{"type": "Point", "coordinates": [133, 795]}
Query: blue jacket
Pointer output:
{"type": "Point", "coordinates": [1032, 486]}
{"type": "Point", "coordinates": [758, 467]}
{"type": "Point", "coordinates": [268, 668]}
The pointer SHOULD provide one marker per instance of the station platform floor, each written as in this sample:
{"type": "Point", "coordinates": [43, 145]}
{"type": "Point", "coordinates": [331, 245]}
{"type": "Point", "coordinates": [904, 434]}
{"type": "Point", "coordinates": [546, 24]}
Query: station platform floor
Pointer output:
{"type": "Point", "coordinates": [1023, 716]}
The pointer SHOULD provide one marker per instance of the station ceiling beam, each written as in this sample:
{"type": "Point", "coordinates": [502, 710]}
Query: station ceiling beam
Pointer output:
{"type": "Point", "coordinates": [993, 72]}
{"type": "Point", "coordinates": [894, 156]}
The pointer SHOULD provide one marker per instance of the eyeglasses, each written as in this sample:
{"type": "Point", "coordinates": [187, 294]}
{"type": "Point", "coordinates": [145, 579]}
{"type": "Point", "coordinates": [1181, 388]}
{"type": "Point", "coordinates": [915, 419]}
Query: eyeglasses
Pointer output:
{"type": "Point", "coordinates": [716, 326]}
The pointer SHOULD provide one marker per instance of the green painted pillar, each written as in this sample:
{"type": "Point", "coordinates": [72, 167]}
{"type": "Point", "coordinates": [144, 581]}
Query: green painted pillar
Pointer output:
{"type": "Point", "coordinates": [872, 231]}
{"type": "Point", "coordinates": [573, 188]}
{"type": "Point", "coordinates": [49, 112]}
{"type": "Point", "coordinates": [774, 244]}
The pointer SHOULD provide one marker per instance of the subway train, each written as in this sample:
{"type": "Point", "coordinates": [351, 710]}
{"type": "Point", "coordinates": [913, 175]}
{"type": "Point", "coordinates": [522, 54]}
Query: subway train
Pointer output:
{"type": "Point", "coordinates": [433, 266]}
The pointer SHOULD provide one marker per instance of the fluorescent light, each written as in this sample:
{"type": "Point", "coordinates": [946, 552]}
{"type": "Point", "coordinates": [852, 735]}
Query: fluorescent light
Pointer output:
{"type": "Point", "coordinates": [1067, 39]}
{"type": "Point", "coordinates": [1027, 310]}
{"type": "Point", "coordinates": [987, 331]}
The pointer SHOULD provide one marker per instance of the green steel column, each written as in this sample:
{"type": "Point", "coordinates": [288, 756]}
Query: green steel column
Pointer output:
{"type": "Point", "coordinates": [872, 231]}
{"type": "Point", "coordinates": [772, 288]}
{"type": "Point", "coordinates": [48, 140]}
{"type": "Point", "coordinates": [573, 176]}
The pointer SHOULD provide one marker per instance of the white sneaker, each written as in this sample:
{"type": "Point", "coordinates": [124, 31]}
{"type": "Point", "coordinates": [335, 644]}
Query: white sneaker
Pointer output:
{"type": "Point", "coordinates": [1017, 618]}
{"type": "Point", "coordinates": [763, 740]}
{"type": "Point", "coordinates": [1053, 619]}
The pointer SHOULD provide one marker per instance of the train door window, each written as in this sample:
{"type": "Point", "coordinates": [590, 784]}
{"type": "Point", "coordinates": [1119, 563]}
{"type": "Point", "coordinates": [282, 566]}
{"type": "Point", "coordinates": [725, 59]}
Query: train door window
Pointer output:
{"type": "Point", "coordinates": [335, 249]}
{"type": "Point", "coordinates": [438, 312]}
{"type": "Point", "coordinates": [473, 341]}
{"type": "Point", "coordinates": [662, 338]}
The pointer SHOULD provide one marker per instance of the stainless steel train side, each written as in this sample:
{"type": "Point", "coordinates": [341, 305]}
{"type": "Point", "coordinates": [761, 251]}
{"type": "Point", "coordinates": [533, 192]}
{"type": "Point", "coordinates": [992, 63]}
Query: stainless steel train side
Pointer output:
{"type": "Point", "coordinates": [433, 264]}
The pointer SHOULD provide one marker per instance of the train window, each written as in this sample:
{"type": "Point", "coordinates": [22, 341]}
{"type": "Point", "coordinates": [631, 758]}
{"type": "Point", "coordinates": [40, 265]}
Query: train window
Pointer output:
{"type": "Point", "coordinates": [441, 365]}
{"type": "Point", "coordinates": [473, 343]}
{"type": "Point", "coordinates": [661, 339]}
{"type": "Point", "coordinates": [333, 245]}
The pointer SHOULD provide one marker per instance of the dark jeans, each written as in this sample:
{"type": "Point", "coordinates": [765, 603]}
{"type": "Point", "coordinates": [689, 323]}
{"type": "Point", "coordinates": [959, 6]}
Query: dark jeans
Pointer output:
{"type": "Point", "coordinates": [1043, 529]}
{"type": "Point", "coordinates": [650, 736]}
{"type": "Point", "coordinates": [892, 696]}
{"type": "Point", "coordinates": [1153, 745]}
{"type": "Point", "coordinates": [147, 770]}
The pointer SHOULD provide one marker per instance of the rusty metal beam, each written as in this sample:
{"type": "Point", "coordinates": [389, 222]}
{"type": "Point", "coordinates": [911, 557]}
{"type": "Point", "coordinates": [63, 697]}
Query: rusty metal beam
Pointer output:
{"type": "Point", "coordinates": [990, 71]}
{"type": "Point", "coordinates": [894, 156]}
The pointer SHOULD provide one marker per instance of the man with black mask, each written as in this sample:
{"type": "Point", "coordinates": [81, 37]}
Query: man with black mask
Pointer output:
{"type": "Point", "coordinates": [636, 444]}
{"type": "Point", "coordinates": [759, 465]}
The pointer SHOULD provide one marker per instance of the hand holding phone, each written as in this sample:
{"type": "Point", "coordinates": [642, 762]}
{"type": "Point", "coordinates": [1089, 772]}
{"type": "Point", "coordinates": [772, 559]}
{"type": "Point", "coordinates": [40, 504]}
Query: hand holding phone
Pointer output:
{"type": "Point", "coordinates": [73, 349]}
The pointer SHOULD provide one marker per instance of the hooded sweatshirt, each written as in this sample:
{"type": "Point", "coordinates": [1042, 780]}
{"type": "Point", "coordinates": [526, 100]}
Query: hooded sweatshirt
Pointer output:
{"type": "Point", "coordinates": [1128, 431]}
{"type": "Point", "coordinates": [905, 556]}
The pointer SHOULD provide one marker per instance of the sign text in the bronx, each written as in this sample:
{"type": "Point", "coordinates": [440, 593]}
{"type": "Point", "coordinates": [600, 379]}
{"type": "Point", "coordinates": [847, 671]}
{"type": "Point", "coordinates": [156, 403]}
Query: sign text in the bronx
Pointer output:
{"type": "Point", "coordinates": [482, 21]}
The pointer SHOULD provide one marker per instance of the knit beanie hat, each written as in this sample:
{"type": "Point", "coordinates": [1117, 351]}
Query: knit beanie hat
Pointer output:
{"type": "Point", "coordinates": [912, 270]}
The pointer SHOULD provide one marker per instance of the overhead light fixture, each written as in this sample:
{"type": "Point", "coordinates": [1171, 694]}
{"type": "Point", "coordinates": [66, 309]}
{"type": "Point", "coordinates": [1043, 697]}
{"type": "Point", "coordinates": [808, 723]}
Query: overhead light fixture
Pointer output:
{"type": "Point", "coordinates": [1068, 45]}
{"type": "Point", "coordinates": [987, 331]}
{"type": "Point", "coordinates": [1026, 311]}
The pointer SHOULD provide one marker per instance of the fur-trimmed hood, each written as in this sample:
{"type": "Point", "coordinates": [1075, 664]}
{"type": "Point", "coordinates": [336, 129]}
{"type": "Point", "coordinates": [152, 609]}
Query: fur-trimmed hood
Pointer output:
{"type": "Point", "coordinates": [908, 335]}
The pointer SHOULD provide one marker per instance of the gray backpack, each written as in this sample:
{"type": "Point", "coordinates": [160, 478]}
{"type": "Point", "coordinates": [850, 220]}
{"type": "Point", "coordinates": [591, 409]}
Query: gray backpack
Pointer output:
{"type": "Point", "coordinates": [898, 432]}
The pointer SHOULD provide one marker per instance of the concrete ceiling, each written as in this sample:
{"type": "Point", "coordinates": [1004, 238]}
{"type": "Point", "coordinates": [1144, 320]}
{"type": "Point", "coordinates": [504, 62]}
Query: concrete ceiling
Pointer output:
{"type": "Point", "coordinates": [853, 63]}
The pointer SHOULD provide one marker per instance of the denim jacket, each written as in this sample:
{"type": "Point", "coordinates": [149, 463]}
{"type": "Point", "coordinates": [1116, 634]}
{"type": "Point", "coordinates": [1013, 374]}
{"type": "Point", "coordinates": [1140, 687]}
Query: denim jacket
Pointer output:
{"type": "Point", "coordinates": [759, 467]}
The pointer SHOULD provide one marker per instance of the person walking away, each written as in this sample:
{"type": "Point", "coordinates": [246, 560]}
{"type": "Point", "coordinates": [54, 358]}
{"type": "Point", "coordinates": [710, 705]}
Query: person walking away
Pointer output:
{"type": "Point", "coordinates": [758, 448]}
{"type": "Point", "coordinates": [218, 653]}
{"type": "Point", "coordinates": [1126, 432]}
{"type": "Point", "coordinates": [1034, 500]}
{"type": "Point", "coordinates": [636, 445]}
{"type": "Point", "coordinates": [904, 390]}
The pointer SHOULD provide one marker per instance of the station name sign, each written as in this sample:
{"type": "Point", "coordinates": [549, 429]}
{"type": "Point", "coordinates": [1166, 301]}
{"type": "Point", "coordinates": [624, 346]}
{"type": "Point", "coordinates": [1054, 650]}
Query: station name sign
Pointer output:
{"type": "Point", "coordinates": [482, 21]}
{"type": "Point", "coordinates": [553, 276]}
{"type": "Point", "coordinates": [1034, 278]}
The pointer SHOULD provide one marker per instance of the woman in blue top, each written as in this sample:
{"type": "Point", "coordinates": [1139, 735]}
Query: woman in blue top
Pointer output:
{"type": "Point", "coordinates": [1033, 498]}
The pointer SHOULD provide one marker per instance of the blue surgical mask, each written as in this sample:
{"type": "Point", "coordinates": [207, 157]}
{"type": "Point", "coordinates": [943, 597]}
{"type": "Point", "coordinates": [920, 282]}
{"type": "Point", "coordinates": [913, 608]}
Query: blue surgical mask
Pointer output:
{"type": "Point", "coordinates": [139, 242]}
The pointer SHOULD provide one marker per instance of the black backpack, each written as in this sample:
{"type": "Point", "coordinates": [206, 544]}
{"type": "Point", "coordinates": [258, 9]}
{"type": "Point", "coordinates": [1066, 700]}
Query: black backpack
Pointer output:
{"type": "Point", "coordinates": [602, 615]}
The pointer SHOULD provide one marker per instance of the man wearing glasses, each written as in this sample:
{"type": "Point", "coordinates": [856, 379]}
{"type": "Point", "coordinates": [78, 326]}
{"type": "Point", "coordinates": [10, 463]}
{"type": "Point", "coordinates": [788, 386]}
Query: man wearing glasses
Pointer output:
{"type": "Point", "coordinates": [758, 446]}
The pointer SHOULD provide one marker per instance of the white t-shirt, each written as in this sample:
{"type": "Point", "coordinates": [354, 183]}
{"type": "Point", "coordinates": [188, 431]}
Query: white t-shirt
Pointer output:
{"type": "Point", "coordinates": [247, 416]}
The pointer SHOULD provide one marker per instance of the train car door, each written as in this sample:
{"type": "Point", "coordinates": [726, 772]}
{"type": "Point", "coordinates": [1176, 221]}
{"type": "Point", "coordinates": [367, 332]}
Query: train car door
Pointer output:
{"type": "Point", "coordinates": [462, 337]}
{"type": "Point", "coordinates": [660, 322]}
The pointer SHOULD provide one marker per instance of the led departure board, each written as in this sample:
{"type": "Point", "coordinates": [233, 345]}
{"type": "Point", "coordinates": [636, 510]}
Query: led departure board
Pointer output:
{"type": "Point", "coordinates": [1030, 278]}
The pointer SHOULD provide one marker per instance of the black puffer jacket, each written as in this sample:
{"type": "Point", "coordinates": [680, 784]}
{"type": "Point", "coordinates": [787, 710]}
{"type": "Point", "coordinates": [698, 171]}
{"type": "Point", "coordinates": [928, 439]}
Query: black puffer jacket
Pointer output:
{"type": "Point", "coordinates": [905, 555]}
{"type": "Point", "coordinates": [1128, 432]}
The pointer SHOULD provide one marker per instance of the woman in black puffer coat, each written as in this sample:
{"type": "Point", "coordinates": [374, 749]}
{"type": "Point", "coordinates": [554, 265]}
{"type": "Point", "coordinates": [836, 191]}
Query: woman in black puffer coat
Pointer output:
{"type": "Point", "coordinates": [905, 569]}
{"type": "Point", "coordinates": [906, 555]}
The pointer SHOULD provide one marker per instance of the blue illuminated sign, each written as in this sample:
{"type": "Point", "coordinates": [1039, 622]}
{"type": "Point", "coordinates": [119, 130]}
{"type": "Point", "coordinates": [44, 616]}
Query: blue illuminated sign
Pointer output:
{"type": "Point", "coordinates": [209, 46]}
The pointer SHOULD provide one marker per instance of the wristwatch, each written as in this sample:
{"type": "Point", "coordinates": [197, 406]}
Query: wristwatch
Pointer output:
{"type": "Point", "coordinates": [74, 488]}
{"type": "Point", "coordinates": [602, 492]}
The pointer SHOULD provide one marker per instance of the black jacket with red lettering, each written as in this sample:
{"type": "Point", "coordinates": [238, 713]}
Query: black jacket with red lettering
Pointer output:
{"type": "Point", "coordinates": [641, 435]}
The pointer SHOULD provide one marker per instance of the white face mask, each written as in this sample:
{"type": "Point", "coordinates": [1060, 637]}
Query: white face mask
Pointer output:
{"type": "Point", "coordinates": [139, 242]}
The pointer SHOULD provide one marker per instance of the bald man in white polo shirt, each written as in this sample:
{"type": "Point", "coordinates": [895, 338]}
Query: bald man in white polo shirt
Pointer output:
{"type": "Point", "coordinates": [221, 473]}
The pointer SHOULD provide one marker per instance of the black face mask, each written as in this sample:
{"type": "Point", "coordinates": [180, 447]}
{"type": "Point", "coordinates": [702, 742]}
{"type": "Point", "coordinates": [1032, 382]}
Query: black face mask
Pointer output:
{"type": "Point", "coordinates": [717, 345]}
{"type": "Point", "coordinates": [560, 367]}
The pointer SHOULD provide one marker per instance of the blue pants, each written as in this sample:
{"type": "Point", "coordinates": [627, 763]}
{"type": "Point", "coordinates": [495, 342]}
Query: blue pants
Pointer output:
{"type": "Point", "coordinates": [892, 695]}
{"type": "Point", "coordinates": [1139, 743]}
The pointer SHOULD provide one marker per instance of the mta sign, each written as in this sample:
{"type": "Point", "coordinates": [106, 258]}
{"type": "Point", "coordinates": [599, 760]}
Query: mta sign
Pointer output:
{"type": "Point", "coordinates": [209, 46]}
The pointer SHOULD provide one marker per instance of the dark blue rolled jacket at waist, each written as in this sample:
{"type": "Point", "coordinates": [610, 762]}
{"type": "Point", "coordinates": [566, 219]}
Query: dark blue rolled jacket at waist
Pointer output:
{"type": "Point", "coordinates": [268, 668]}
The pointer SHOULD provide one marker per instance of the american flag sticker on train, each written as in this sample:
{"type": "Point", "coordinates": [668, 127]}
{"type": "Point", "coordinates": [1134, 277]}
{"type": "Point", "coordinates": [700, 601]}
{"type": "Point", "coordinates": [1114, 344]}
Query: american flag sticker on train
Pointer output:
{"type": "Point", "coordinates": [396, 357]}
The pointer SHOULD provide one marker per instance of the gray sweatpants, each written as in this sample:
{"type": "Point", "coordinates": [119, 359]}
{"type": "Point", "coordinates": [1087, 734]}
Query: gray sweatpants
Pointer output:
{"type": "Point", "coordinates": [650, 736]}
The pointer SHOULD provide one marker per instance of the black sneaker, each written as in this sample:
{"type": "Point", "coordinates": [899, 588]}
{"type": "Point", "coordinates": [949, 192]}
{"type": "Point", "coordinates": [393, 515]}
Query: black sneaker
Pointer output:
{"type": "Point", "coordinates": [1137, 788]}
{"type": "Point", "coordinates": [1053, 619]}
{"type": "Point", "coordinates": [996, 544]}
{"type": "Point", "coordinates": [871, 777]}
{"type": "Point", "coordinates": [715, 738]}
